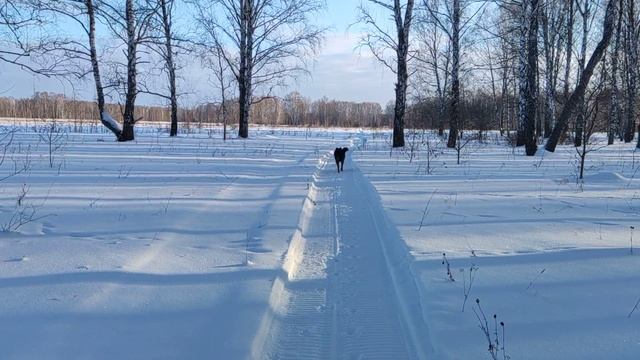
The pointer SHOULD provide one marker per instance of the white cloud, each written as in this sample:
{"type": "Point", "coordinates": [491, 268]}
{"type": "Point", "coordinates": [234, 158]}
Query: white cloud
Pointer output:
{"type": "Point", "coordinates": [342, 71]}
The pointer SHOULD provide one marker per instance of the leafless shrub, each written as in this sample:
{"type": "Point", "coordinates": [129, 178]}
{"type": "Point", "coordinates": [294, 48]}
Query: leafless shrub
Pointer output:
{"type": "Point", "coordinates": [13, 151]}
{"type": "Point", "coordinates": [55, 138]}
{"type": "Point", "coordinates": [22, 213]}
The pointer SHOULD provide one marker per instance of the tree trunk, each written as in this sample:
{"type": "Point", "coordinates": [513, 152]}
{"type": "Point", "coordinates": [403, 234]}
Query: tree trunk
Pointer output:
{"type": "Point", "coordinates": [503, 96]}
{"type": "Point", "coordinates": [615, 115]}
{"type": "Point", "coordinates": [106, 120]}
{"type": "Point", "coordinates": [129, 119]}
{"type": "Point", "coordinates": [531, 102]}
{"type": "Point", "coordinates": [549, 81]}
{"type": "Point", "coordinates": [246, 67]}
{"type": "Point", "coordinates": [401, 99]}
{"type": "Point", "coordinates": [402, 51]}
{"type": "Point", "coordinates": [525, 14]}
{"type": "Point", "coordinates": [454, 125]}
{"type": "Point", "coordinates": [569, 107]}
{"type": "Point", "coordinates": [569, 50]}
{"type": "Point", "coordinates": [171, 69]}
{"type": "Point", "coordinates": [580, 119]}
{"type": "Point", "coordinates": [632, 71]}
{"type": "Point", "coordinates": [442, 104]}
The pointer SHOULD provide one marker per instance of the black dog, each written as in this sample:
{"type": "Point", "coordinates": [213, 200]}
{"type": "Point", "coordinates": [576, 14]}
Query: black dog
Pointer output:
{"type": "Point", "coordinates": [339, 154]}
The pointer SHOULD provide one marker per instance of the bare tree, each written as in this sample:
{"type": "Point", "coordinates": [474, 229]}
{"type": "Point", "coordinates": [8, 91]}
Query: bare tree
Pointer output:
{"type": "Point", "coordinates": [132, 26]}
{"type": "Point", "coordinates": [271, 40]}
{"type": "Point", "coordinates": [552, 16]}
{"type": "Point", "coordinates": [454, 111]}
{"type": "Point", "coordinates": [528, 75]}
{"type": "Point", "coordinates": [451, 20]}
{"type": "Point", "coordinates": [77, 55]}
{"type": "Point", "coordinates": [213, 58]}
{"type": "Point", "coordinates": [378, 39]}
{"type": "Point", "coordinates": [163, 44]}
{"type": "Point", "coordinates": [596, 56]}
{"type": "Point", "coordinates": [584, 8]}
{"type": "Point", "coordinates": [615, 111]}
{"type": "Point", "coordinates": [15, 18]}
{"type": "Point", "coordinates": [592, 113]}
{"type": "Point", "coordinates": [631, 38]}
{"type": "Point", "coordinates": [569, 48]}
{"type": "Point", "coordinates": [24, 37]}
{"type": "Point", "coordinates": [433, 60]}
{"type": "Point", "coordinates": [296, 108]}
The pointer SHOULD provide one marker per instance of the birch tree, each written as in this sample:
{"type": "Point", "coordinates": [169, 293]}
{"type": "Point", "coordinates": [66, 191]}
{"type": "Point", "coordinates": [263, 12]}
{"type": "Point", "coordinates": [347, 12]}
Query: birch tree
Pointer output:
{"type": "Point", "coordinates": [213, 59]}
{"type": "Point", "coordinates": [607, 33]}
{"type": "Point", "coordinates": [631, 38]}
{"type": "Point", "coordinates": [584, 8]}
{"type": "Point", "coordinates": [454, 108]}
{"type": "Point", "coordinates": [553, 17]}
{"type": "Point", "coordinates": [451, 19]}
{"type": "Point", "coordinates": [433, 60]}
{"type": "Point", "coordinates": [75, 55]}
{"type": "Point", "coordinates": [132, 26]}
{"type": "Point", "coordinates": [163, 45]}
{"type": "Point", "coordinates": [528, 75]}
{"type": "Point", "coordinates": [615, 111]}
{"type": "Point", "coordinates": [379, 40]}
{"type": "Point", "coordinates": [268, 42]}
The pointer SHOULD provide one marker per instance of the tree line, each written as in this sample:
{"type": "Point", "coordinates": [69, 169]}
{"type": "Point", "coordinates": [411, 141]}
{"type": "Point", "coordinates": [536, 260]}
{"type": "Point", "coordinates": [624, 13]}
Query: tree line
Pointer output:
{"type": "Point", "coordinates": [292, 110]}
{"type": "Point", "coordinates": [545, 70]}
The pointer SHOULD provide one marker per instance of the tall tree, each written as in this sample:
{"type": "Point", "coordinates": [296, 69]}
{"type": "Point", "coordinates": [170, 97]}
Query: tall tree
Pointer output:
{"type": "Point", "coordinates": [552, 15]}
{"type": "Point", "coordinates": [74, 55]}
{"type": "Point", "coordinates": [631, 38]}
{"type": "Point", "coordinates": [378, 39]}
{"type": "Point", "coordinates": [615, 111]}
{"type": "Point", "coordinates": [568, 109]}
{"type": "Point", "coordinates": [456, 26]}
{"type": "Point", "coordinates": [132, 26]}
{"type": "Point", "coordinates": [584, 8]}
{"type": "Point", "coordinates": [433, 60]}
{"type": "Point", "coordinates": [164, 46]}
{"type": "Point", "coordinates": [454, 108]}
{"type": "Point", "coordinates": [271, 42]}
{"type": "Point", "coordinates": [569, 48]}
{"type": "Point", "coordinates": [213, 59]}
{"type": "Point", "coordinates": [528, 76]}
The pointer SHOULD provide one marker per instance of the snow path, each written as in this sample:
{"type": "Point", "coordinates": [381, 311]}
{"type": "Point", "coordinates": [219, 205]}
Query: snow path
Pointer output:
{"type": "Point", "coordinates": [347, 291]}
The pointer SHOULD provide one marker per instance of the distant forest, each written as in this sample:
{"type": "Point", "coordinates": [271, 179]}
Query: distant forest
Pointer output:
{"type": "Point", "coordinates": [480, 111]}
{"type": "Point", "coordinates": [292, 110]}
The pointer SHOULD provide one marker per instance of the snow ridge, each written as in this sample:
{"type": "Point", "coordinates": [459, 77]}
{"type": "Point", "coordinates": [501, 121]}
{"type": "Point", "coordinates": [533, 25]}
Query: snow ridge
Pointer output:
{"type": "Point", "coordinates": [347, 290]}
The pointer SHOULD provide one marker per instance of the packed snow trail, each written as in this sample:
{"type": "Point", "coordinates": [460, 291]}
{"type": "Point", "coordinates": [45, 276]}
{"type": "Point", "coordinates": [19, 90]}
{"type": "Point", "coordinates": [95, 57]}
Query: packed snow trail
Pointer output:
{"type": "Point", "coordinates": [346, 291]}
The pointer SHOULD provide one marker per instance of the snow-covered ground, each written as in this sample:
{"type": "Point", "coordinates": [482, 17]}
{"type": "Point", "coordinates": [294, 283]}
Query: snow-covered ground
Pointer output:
{"type": "Point", "coordinates": [192, 248]}
{"type": "Point", "coordinates": [552, 258]}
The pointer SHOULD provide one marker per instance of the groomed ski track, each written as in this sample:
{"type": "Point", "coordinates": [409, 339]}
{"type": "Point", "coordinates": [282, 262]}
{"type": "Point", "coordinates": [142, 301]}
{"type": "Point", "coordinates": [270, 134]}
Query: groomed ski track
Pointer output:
{"type": "Point", "coordinates": [346, 290]}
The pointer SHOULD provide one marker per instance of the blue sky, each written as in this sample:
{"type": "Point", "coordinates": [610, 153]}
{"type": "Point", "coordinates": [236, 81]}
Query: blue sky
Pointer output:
{"type": "Point", "coordinates": [340, 71]}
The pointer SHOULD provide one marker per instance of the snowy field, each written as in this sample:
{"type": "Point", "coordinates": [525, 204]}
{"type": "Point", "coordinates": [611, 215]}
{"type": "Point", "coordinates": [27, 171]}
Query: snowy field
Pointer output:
{"type": "Point", "coordinates": [192, 248]}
